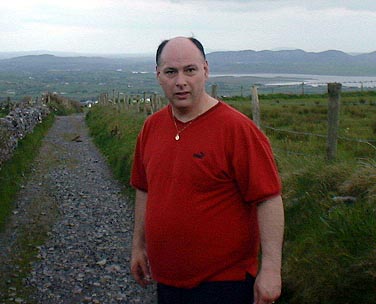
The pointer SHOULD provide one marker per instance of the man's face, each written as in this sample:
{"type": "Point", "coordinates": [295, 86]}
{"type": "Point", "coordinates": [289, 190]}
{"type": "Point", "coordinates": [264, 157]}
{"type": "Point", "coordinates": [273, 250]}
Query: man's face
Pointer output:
{"type": "Point", "coordinates": [182, 73]}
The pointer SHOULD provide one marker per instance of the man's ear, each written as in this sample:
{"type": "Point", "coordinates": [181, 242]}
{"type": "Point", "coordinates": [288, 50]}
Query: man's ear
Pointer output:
{"type": "Point", "coordinates": [206, 69]}
{"type": "Point", "coordinates": [158, 72]}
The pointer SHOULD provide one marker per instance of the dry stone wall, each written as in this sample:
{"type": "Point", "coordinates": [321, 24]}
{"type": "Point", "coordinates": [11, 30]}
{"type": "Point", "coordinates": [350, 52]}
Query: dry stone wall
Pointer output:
{"type": "Point", "coordinates": [17, 124]}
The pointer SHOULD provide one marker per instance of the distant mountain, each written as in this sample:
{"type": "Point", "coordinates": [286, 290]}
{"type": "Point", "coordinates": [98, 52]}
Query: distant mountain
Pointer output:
{"type": "Point", "coordinates": [7, 55]}
{"type": "Point", "coordinates": [43, 63]}
{"type": "Point", "coordinates": [293, 61]}
{"type": "Point", "coordinates": [330, 62]}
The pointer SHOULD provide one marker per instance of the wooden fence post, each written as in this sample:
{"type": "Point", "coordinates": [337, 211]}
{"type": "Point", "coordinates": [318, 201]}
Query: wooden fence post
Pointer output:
{"type": "Point", "coordinates": [128, 102]}
{"type": "Point", "coordinates": [153, 103]}
{"type": "Point", "coordinates": [214, 91]}
{"type": "Point", "coordinates": [159, 103]}
{"type": "Point", "coordinates": [334, 95]}
{"type": "Point", "coordinates": [138, 104]}
{"type": "Point", "coordinates": [255, 107]}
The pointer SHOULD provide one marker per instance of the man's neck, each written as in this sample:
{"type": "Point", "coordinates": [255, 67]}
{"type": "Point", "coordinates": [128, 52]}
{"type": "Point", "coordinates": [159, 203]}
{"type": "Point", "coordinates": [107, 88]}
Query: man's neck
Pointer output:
{"type": "Point", "coordinates": [188, 114]}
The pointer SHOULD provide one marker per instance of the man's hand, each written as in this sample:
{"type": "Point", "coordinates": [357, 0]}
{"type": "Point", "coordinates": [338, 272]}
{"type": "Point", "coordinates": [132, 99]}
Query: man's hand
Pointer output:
{"type": "Point", "coordinates": [140, 267]}
{"type": "Point", "coordinates": [268, 282]}
{"type": "Point", "coordinates": [267, 288]}
{"type": "Point", "coordinates": [139, 262]}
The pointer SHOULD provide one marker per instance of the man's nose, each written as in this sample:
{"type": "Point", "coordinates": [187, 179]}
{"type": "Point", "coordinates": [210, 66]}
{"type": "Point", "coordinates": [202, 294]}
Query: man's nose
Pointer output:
{"type": "Point", "coordinates": [180, 80]}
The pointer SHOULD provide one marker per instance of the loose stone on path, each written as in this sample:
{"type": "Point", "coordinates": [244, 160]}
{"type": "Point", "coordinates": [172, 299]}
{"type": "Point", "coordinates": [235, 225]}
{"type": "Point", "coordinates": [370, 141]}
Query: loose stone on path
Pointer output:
{"type": "Point", "coordinates": [86, 258]}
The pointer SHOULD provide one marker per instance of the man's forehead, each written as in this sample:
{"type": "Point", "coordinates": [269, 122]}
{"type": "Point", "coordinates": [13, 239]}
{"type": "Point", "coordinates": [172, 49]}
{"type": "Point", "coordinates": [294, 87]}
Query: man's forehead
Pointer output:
{"type": "Point", "coordinates": [181, 60]}
{"type": "Point", "coordinates": [181, 50]}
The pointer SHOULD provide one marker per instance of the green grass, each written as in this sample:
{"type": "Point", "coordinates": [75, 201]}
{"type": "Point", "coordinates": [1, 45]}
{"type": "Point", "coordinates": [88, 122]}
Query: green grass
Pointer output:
{"type": "Point", "coordinates": [14, 171]}
{"type": "Point", "coordinates": [330, 245]}
{"type": "Point", "coordinates": [337, 252]}
{"type": "Point", "coordinates": [309, 115]}
{"type": "Point", "coordinates": [3, 112]}
{"type": "Point", "coordinates": [40, 214]}
{"type": "Point", "coordinates": [63, 106]}
{"type": "Point", "coordinates": [115, 133]}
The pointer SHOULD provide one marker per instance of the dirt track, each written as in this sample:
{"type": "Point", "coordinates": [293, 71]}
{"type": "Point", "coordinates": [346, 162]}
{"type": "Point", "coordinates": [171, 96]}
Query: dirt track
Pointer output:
{"type": "Point", "coordinates": [73, 199]}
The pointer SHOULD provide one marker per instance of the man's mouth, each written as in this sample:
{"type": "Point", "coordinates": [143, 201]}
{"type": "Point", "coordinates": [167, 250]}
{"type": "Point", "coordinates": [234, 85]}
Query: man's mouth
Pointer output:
{"type": "Point", "coordinates": [182, 95]}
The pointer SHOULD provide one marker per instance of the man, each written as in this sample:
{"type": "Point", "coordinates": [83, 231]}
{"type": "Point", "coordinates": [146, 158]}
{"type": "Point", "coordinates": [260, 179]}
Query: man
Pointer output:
{"type": "Point", "coordinates": [207, 193]}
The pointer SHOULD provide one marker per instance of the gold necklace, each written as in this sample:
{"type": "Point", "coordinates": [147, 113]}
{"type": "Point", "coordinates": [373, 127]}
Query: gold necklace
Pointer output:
{"type": "Point", "coordinates": [178, 132]}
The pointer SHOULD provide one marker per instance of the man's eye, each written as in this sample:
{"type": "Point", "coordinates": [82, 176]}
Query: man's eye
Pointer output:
{"type": "Point", "coordinates": [190, 70]}
{"type": "Point", "coordinates": [170, 72]}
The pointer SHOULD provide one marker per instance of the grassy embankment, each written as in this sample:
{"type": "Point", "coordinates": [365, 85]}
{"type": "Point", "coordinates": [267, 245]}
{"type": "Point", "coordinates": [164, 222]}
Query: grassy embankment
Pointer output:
{"type": "Point", "coordinates": [32, 231]}
{"type": "Point", "coordinates": [330, 243]}
{"type": "Point", "coordinates": [115, 133]}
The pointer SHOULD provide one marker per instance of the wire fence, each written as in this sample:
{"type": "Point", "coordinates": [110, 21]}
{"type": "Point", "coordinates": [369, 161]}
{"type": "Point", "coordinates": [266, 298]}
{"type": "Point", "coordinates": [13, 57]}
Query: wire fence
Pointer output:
{"type": "Point", "coordinates": [331, 138]}
{"type": "Point", "coordinates": [367, 141]}
{"type": "Point", "coordinates": [149, 103]}
{"type": "Point", "coordinates": [371, 143]}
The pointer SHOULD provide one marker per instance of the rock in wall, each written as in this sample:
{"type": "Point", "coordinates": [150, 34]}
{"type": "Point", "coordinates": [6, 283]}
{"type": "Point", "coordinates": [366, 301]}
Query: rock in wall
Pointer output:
{"type": "Point", "coordinates": [17, 124]}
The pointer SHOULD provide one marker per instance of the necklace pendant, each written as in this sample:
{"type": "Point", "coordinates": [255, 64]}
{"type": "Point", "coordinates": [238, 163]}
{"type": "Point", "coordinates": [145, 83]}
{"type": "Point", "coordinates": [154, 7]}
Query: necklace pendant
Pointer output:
{"type": "Point", "coordinates": [177, 137]}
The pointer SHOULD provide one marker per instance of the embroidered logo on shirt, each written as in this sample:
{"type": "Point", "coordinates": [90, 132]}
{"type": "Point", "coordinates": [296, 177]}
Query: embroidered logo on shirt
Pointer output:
{"type": "Point", "coordinates": [199, 155]}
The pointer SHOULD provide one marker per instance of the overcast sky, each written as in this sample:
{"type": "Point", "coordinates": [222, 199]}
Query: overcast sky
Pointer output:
{"type": "Point", "coordinates": [138, 26]}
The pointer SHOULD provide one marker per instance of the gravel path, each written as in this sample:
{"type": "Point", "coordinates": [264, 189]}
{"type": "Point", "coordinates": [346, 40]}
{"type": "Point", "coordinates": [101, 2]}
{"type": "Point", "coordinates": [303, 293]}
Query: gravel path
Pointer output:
{"type": "Point", "coordinates": [86, 257]}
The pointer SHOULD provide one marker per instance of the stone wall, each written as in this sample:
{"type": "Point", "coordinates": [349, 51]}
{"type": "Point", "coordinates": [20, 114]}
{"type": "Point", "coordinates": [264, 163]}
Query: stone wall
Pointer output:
{"type": "Point", "coordinates": [17, 124]}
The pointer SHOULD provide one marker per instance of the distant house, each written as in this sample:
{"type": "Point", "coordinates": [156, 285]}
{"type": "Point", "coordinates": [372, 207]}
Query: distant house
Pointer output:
{"type": "Point", "coordinates": [88, 103]}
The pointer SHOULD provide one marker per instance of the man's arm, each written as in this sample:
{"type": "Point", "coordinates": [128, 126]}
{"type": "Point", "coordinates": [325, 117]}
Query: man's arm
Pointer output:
{"type": "Point", "coordinates": [139, 261]}
{"type": "Point", "coordinates": [268, 283]}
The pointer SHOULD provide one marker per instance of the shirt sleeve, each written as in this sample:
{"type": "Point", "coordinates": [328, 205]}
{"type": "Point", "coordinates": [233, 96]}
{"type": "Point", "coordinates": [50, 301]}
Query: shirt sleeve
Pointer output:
{"type": "Point", "coordinates": [254, 166]}
{"type": "Point", "coordinates": [138, 174]}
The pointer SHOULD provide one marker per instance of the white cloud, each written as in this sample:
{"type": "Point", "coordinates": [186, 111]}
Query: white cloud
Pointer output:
{"type": "Point", "coordinates": [139, 26]}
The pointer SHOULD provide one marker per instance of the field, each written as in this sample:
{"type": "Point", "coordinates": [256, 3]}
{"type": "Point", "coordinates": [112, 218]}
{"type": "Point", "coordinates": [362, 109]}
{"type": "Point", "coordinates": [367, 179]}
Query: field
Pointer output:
{"type": "Point", "coordinates": [89, 84]}
{"type": "Point", "coordinates": [330, 248]}
{"type": "Point", "coordinates": [79, 85]}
